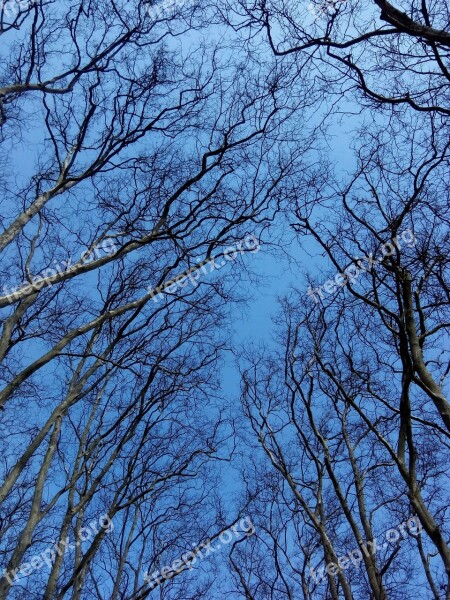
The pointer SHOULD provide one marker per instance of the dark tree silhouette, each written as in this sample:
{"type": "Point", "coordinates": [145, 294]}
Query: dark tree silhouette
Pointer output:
{"type": "Point", "coordinates": [128, 159]}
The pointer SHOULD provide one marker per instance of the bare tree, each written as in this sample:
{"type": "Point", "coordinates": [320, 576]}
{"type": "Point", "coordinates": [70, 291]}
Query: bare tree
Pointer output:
{"type": "Point", "coordinates": [351, 412]}
{"type": "Point", "coordinates": [145, 147]}
{"type": "Point", "coordinates": [130, 159]}
{"type": "Point", "coordinates": [393, 55]}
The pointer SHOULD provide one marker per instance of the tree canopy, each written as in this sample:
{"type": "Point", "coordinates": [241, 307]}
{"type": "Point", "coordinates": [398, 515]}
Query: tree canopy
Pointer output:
{"type": "Point", "coordinates": [155, 157]}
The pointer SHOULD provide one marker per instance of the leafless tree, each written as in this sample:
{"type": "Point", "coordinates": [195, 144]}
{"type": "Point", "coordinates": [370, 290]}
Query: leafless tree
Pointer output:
{"type": "Point", "coordinates": [393, 54]}
{"type": "Point", "coordinates": [351, 413]}
{"type": "Point", "coordinates": [129, 158]}
{"type": "Point", "coordinates": [141, 145]}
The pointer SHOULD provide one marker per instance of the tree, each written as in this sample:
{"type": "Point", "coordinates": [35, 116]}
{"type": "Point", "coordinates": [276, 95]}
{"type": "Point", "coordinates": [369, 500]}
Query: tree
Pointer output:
{"type": "Point", "coordinates": [130, 160]}
{"type": "Point", "coordinates": [393, 56]}
{"type": "Point", "coordinates": [144, 148]}
{"type": "Point", "coordinates": [351, 412]}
